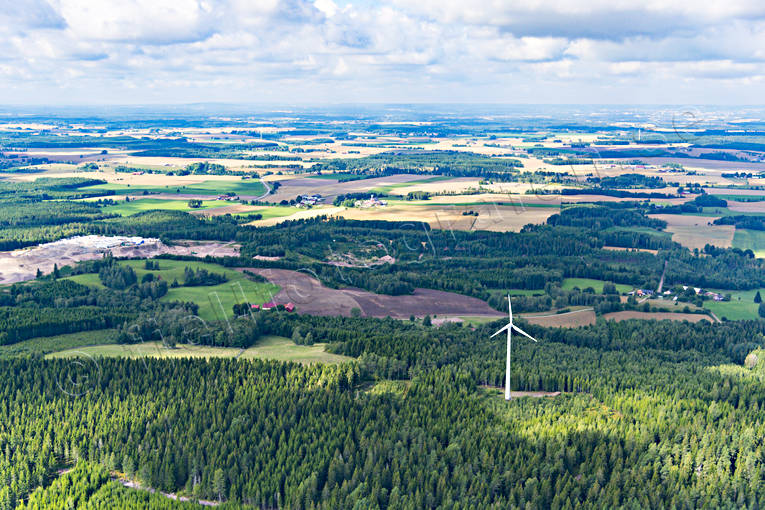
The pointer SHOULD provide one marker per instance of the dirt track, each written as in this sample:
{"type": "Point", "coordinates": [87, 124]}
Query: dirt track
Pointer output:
{"type": "Point", "coordinates": [311, 297]}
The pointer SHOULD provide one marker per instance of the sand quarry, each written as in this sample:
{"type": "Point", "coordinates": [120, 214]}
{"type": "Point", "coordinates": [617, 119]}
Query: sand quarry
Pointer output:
{"type": "Point", "coordinates": [22, 265]}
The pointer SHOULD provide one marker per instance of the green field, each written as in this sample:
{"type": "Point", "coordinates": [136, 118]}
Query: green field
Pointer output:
{"type": "Point", "coordinates": [332, 177]}
{"type": "Point", "coordinates": [89, 279]}
{"type": "Point", "coordinates": [46, 344]}
{"type": "Point", "coordinates": [740, 307]}
{"type": "Point", "coordinates": [212, 187]}
{"type": "Point", "coordinates": [146, 204]}
{"type": "Point", "coordinates": [583, 283]}
{"type": "Point", "coordinates": [284, 349]}
{"type": "Point", "coordinates": [215, 301]}
{"type": "Point", "coordinates": [750, 239]}
{"type": "Point", "coordinates": [269, 347]}
{"type": "Point", "coordinates": [276, 211]}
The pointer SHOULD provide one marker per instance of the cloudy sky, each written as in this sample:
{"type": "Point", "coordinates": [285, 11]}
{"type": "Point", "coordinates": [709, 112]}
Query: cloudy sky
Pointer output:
{"type": "Point", "coordinates": [316, 51]}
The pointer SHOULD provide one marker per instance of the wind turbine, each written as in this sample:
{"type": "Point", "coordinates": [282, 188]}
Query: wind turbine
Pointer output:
{"type": "Point", "coordinates": [510, 327]}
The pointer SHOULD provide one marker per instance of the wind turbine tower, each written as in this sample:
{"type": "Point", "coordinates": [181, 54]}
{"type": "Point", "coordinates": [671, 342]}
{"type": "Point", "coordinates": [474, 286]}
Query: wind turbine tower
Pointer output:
{"type": "Point", "coordinates": [510, 327]}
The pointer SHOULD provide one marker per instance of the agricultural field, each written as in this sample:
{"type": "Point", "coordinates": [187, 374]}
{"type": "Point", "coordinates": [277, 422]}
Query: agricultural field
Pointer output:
{"type": "Point", "coordinates": [695, 232]}
{"type": "Point", "coordinates": [137, 205]}
{"type": "Point", "coordinates": [659, 316]}
{"type": "Point", "coordinates": [747, 239]}
{"type": "Point", "coordinates": [490, 216]}
{"type": "Point", "coordinates": [267, 348]}
{"type": "Point", "coordinates": [250, 189]}
{"type": "Point", "coordinates": [311, 296]}
{"type": "Point", "coordinates": [215, 301]}
{"type": "Point", "coordinates": [740, 307]}
{"type": "Point", "coordinates": [571, 319]}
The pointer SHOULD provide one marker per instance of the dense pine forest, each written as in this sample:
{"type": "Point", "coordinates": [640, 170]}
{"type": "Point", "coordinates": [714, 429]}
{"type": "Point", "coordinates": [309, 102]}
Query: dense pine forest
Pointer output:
{"type": "Point", "coordinates": [652, 414]}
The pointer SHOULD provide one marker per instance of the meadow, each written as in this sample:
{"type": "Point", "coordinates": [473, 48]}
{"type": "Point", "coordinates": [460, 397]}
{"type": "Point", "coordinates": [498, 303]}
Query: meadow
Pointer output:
{"type": "Point", "coordinates": [248, 187]}
{"type": "Point", "coordinates": [267, 348]}
{"type": "Point", "coordinates": [215, 301]}
{"type": "Point", "coordinates": [135, 206]}
{"type": "Point", "coordinates": [597, 285]}
{"type": "Point", "coordinates": [750, 239]}
{"type": "Point", "coordinates": [740, 307]}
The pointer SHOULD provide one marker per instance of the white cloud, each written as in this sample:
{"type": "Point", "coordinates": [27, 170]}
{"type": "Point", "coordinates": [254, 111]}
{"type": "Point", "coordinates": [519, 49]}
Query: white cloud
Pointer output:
{"type": "Point", "coordinates": [391, 50]}
{"type": "Point", "coordinates": [139, 21]}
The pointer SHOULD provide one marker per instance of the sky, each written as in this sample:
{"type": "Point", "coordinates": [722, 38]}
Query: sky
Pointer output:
{"type": "Point", "coordinates": [68, 52]}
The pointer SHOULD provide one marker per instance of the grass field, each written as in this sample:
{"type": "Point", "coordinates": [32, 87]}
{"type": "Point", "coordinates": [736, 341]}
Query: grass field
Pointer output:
{"type": "Point", "coordinates": [276, 211]}
{"type": "Point", "coordinates": [284, 349]}
{"type": "Point", "coordinates": [270, 347]}
{"type": "Point", "coordinates": [146, 204]}
{"type": "Point", "coordinates": [583, 283]}
{"type": "Point", "coordinates": [750, 239]}
{"type": "Point", "coordinates": [47, 344]}
{"type": "Point", "coordinates": [90, 279]}
{"type": "Point", "coordinates": [740, 307]}
{"type": "Point", "coordinates": [333, 177]}
{"type": "Point", "coordinates": [211, 187]}
{"type": "Point", "coordinates": [215, 301]}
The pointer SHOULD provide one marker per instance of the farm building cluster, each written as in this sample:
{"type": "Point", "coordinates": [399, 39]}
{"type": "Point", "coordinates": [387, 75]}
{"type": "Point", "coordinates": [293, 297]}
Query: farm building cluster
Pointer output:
{"type": "Point", "coordinates": [372, 202]}
{"type": "Point", "coordinates": [271, 305]}
{"type": "Point", "coordinates": [309, 200]}
{"type": "Point", "coordinates": [674, 294]}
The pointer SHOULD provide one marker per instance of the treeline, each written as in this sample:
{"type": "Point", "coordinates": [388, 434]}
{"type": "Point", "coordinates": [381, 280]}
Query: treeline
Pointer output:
{"type": "Point", "coordinates": [629, 180]}
{"type": "Point", "coordinates": [602, 217]}
{"type": "Point", "coordinates": [614, 193]}
{"type": "Point", "coordinates": [451, 163]}
{"type": "Point", "coordinates": [742, 221]}
{"type": "Point", "coordinates": [21, 323]}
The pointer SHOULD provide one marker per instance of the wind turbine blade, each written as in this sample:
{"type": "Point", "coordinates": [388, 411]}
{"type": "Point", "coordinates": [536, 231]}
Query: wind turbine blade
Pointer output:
{"type": "Point", "coordinates": [519, 330]}
{"type": "Point", "coordinates": [501, 330]}
{"type": "Point", "coordinates": [509, 309]}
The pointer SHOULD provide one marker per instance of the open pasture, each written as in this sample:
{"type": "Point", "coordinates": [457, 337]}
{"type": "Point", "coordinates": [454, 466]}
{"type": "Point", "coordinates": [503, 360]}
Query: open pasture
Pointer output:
{"type": "Point", "coordinates": [215, 301]}
{"type": "Point", "coordinates": [247, 188]}
{"type": "Point", "coordinates": [268, 348]}
{"type": "Point", "coordinates": [137, 205]}
{"type": "Point", "coordinates": [597, 285]}
{"type": "Point", "coordinates": [750, 239]}
{"type": "Point", "coordinates": [740, 307]}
